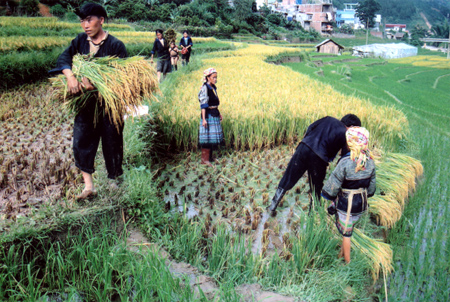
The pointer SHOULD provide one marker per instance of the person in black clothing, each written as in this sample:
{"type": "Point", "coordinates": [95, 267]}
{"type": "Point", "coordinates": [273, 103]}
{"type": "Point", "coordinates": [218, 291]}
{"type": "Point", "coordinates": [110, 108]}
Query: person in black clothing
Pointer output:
{"type": "Point", "coordinates": [87, 133]}
{"type": "Point", "coordinates": [161, 47]}
{"type": "Point", "coordinates": [186, 47]}
{"type": "Point", "coordinates": [322, 141]}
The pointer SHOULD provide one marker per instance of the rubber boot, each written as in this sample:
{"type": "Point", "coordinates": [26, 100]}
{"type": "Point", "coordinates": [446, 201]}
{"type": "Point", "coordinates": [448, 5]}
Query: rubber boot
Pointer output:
{"type": "Point", "coordinates": [275, 201]}
{"type": "Point", "coordinates": [205, 157]}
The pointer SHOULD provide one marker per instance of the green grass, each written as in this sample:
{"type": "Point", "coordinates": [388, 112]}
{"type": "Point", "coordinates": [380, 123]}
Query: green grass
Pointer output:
{"type": "Point", "coordinates": [420, 238]}
{"type": "Point", "coordinates": [91, 262]}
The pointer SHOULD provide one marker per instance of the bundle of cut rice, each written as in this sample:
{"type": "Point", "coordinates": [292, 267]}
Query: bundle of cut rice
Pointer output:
{"type": "Point", "coordinates": [120, 84]}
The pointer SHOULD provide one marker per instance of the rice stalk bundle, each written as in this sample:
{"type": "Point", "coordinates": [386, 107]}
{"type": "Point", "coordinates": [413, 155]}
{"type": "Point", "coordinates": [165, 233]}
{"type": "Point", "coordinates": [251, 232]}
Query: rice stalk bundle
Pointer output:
{"type": "Point", "coordinates": [378, 253]}
{"type": "Point", "coordinates": [386, 209]}
{"type": "Point", "coordinates": [120, 84]}
{"type": "Point", "coordinates": [396, 178]}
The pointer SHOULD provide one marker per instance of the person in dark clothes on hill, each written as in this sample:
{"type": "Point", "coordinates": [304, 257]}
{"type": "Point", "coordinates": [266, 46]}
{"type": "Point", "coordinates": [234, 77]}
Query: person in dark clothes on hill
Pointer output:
{"type": "Point", "coordinates": [186, 47]}
{"type": "Point", "coordinates": [89, 125]}
{"type": "Point", "coordinates": [322, 141]}
{"type": "Point", "coordinates": [161, 47]}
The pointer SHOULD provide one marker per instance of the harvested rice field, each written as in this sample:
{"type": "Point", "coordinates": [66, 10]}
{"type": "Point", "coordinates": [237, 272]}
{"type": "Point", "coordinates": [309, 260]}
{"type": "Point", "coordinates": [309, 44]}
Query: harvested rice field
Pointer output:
{"type": "Point", "coordinates": [207, 234]}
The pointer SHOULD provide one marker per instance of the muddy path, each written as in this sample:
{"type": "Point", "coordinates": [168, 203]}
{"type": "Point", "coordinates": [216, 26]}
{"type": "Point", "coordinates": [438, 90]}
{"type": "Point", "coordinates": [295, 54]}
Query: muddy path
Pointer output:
{"type": "Point", "coordinates": [137, 242]}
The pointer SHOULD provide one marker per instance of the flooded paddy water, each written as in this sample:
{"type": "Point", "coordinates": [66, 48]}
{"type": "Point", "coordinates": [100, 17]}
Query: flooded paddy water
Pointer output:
{"type": "Point", "coordinates": [236, 192]}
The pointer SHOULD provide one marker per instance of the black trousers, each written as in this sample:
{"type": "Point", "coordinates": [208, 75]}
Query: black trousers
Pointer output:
{"type": "Point", "coordinates": [86, 138]}
{"type": "Point", "coordinates": [186, 57]}
{"type": "Point", "coordinates": [304, 159]}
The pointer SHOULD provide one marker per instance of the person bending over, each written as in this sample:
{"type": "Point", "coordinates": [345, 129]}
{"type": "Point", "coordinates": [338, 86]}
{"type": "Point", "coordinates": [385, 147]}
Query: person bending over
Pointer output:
{"type": "Point", "coordinates": [322, 141]}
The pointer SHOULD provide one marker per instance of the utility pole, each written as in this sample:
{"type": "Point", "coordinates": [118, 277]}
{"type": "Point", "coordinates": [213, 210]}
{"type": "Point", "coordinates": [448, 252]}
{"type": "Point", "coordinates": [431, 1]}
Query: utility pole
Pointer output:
{"type": "Point", "coordinates": [448, 43]}
{"type": "Point", "coordinates": [367, 31]}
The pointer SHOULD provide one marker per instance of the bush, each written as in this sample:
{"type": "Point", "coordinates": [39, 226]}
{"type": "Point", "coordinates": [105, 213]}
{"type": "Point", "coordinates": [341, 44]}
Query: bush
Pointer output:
{"type": "Point", "coordinates": [71, 17]}
{"type": "Point", "coordinates": [29, 7]}
{"type": "Point", "coordinates": [26, 67]}
{"type": "Point", "coordinates": [58, 11]}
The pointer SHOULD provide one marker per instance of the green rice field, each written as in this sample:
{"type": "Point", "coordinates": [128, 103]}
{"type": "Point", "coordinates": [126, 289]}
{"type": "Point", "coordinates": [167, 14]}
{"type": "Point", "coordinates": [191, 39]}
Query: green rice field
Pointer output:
{"type": "Point", "coordinates": [420, 238]}
{"type": "Point", "coordinates": [178, 231]}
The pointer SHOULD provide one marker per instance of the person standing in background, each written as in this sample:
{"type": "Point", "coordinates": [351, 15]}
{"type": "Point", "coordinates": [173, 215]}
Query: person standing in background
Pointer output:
{"type": "Point", "coordinates": [161, 47]}
{"type": "Point", "coordinates": [210, 134]}
{"type": "Point", "coordinates": [186, 47]}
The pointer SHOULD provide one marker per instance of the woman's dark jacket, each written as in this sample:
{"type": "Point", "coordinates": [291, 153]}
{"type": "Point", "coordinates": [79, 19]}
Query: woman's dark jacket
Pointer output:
{"type": "Point", "coordinates": [189, 42]}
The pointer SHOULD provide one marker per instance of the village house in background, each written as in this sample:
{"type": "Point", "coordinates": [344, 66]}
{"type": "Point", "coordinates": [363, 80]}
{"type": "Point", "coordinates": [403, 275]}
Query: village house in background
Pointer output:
{"type": "Point", "coordinates": [395, 31]}
{"type": "Point", "coordinates": [348, 16]}
{"type": "Point", "coordinates": [318, 15]}
{"type": "Point", "coordinates": [329, 46]}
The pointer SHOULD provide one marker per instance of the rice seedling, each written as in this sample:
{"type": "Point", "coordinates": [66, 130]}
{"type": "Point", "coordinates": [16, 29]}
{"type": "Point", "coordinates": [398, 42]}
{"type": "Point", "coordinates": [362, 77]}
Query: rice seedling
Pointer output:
{"type": "Point", "coordinates": [119, 83]}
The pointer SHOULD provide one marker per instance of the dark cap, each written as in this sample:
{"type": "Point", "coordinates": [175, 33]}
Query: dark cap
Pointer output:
{"type": "Point", "coordinates": [92, 9]}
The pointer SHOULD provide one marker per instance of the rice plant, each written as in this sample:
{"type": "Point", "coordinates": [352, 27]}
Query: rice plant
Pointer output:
{"type": "Point", "coordinates": [119, 83]}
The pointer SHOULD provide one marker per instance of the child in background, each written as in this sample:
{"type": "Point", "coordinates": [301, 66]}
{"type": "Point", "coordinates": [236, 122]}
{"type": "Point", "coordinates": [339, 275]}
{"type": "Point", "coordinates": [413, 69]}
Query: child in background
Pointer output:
{"type": "Point", "coordinates": [173, 50]}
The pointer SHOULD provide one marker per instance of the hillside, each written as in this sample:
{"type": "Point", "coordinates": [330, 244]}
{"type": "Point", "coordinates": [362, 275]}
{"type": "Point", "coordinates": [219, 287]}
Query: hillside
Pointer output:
{"type": "Point", "coordinates": [409, 11]}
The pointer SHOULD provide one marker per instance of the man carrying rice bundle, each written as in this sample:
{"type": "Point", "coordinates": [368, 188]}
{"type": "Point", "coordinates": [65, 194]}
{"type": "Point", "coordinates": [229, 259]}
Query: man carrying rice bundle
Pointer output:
{"type": "Point", "coordinates": [320, 145]}
{"type": "Point", "coordinates": [91, 124]}
{"type": "Point", "coordinates": [350, 184]}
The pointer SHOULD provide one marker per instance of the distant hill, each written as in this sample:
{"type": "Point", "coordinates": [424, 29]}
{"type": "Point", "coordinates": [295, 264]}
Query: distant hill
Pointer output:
{"type": "Point", "coordinates": [409, 11]}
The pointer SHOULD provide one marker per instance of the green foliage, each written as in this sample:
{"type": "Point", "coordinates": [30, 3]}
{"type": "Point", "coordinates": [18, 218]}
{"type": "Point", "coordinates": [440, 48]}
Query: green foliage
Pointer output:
{"type": "Point", "coordinates": [417, 33]}
{"type": "Point", "coordinates": [57, 10]}
{"type": "Point", "coordinates": [366, 11]}
{"type": "Point", "coordinates": [346, 29]}
{"type": "Point", "coordinates": [18, 68]}
{"type": "Point", "coordinates": [29, 7]}
{"type": "Point", "coordinates": [90, 262]}
{"type": "Point", "coordinates": [441, 30]}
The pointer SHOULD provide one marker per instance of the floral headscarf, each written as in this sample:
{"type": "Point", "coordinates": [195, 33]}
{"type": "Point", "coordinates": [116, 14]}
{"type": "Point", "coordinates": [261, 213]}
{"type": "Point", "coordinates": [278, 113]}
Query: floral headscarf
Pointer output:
{"type": "Point", "coordinates": [208, 72]}
{"type": "Point", "coordinates": [358, 143]}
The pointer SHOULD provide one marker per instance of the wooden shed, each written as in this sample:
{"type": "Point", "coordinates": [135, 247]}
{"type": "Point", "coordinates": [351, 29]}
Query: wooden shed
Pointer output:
{"type": "Point", "coordinates": [329, 46]}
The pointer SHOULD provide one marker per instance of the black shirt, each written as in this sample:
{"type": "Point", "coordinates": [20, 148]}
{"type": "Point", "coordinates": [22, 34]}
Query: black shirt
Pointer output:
{"type": "Point", "coordinates": [80, 45]}
{"type": "Point", "coordinates": [326, 137]}
{"type": "Point", "coordinates": [162, 50]}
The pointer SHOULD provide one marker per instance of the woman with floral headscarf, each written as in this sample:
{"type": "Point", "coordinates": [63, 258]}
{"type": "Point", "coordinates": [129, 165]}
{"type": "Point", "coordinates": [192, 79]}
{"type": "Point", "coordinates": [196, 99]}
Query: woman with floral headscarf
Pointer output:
{"type": "Point", "coordinates": [350, 184]}
{"type": "Point", "coordinates": [210, 134]}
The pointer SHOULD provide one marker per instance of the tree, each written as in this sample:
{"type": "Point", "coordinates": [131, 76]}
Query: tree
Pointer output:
{"type": "Point", "coordinates": [366, 11]}
{"type": "Point", "coordinates": [243, 9]}
{"type": "Point", "coordinates": [29, 7]}
{"type": "Point", "coordinates": [417, 33]}
{"type": "Point", "coordinates": [441, 30]}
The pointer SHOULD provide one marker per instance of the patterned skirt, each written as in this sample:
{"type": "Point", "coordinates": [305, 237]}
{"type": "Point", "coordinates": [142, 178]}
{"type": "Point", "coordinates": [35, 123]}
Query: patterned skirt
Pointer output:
{"type": "Point", "coordinates": [351, 206]}
{"type": "Point", "coordinates": [345, 223]}
{"type": "Point", "coordinates": [211, 136]}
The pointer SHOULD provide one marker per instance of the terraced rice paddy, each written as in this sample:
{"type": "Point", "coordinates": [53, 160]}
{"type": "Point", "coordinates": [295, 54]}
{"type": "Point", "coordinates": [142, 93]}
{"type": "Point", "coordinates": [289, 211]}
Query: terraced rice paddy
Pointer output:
{"type": "Point", "coordinates": [215, 219]}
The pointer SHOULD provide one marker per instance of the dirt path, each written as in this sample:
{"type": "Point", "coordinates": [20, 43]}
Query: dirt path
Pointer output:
{"type": "Point", "coordinates": [249, 292]}
{"type": "Point", "coordinates": [426, 20]}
